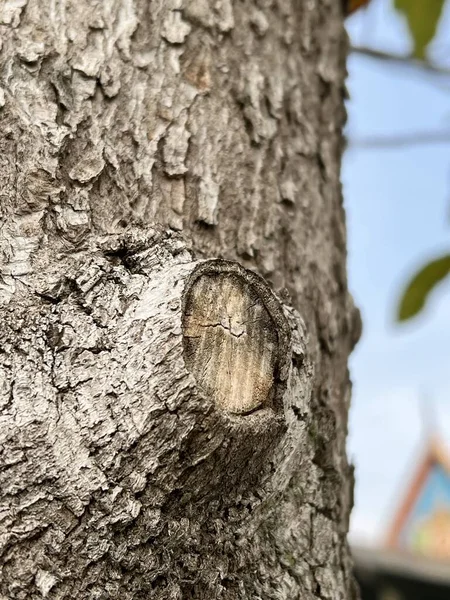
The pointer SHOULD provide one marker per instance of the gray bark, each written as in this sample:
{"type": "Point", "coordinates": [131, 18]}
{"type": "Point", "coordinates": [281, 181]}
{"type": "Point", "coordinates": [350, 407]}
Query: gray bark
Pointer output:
{"type": "Point", "coordinates": [175, 319]}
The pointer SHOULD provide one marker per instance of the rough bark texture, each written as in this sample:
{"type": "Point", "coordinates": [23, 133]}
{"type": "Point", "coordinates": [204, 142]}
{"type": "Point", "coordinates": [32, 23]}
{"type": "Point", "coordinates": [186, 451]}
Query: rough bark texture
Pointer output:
{"type": "Point", "coordinates": [175, 320]}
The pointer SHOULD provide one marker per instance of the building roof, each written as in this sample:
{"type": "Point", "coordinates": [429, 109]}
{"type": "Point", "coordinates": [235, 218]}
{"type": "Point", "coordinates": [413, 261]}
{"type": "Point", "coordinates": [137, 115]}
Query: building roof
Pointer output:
{"type": "Point", "coordinates": [436, 518]}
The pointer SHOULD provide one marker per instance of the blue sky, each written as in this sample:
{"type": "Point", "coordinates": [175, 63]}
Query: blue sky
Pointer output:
{"type": "Point", "coordinates": [398, 215]}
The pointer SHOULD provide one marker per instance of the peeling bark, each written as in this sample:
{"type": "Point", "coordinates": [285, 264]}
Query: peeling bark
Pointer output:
{"type": "Point", "coordinates": [175, 315]}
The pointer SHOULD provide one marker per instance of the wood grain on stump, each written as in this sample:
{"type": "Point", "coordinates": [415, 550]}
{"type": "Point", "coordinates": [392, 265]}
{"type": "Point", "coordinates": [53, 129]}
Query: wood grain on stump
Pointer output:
{"type": "Point", "coordinates": [230, 339]}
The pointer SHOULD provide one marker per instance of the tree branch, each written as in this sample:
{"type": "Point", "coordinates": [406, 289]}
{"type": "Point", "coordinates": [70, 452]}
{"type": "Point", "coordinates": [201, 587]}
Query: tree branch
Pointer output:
{"type": "Point", "coordinates": [416, 138]}
{"type": "Point", "coordinates": [401, 60]}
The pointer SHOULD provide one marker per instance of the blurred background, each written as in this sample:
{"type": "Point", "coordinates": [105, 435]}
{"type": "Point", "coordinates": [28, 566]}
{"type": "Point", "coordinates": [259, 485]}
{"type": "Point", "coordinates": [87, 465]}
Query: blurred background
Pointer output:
{"type": "Point", "coordinates": [396, 177]}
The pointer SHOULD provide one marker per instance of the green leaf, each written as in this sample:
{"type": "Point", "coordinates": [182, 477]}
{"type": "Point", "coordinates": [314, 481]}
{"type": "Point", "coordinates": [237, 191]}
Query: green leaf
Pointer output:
{"type": "Point", "coordinates": [416, 293]}
{"type": "Point", "coordinates": [423, 18]}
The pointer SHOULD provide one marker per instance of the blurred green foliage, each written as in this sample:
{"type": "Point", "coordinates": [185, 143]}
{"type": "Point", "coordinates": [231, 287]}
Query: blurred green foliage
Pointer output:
{"type": "Point", "coordinates": [422, 17]}
{"type": "Point", "coordinates": [424, 281]}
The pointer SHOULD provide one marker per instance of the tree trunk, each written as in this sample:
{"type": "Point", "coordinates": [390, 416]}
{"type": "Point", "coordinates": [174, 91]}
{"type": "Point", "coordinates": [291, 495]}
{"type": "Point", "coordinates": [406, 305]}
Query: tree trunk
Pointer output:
{"type": "Point", "coordinates": [175, 320]}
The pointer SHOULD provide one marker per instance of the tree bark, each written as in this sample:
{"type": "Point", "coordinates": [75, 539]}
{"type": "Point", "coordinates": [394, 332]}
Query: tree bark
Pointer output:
{"type": "Point", "coordinates": [174, 307]}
